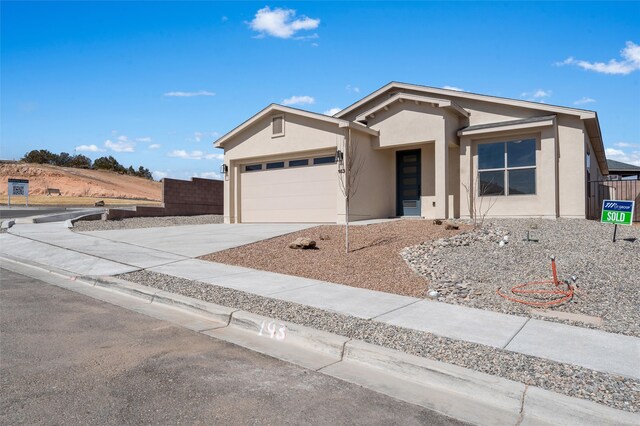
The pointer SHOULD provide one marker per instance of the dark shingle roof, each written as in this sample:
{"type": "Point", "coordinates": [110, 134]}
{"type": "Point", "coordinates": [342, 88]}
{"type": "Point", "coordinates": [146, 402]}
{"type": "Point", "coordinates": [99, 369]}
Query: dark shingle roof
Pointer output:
{"type": "Point", "coordinates": [618, 166]}
{"type": "Point", "coordinates": [508, 123]}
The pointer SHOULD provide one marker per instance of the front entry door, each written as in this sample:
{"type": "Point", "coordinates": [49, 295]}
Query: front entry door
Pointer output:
{"type": "Point", "coordinates": [408, 183]}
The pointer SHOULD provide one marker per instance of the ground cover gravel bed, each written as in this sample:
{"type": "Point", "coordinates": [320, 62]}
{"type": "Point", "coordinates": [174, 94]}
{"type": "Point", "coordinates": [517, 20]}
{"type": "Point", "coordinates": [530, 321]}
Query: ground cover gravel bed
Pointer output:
{"type": "Point", "coordinates": [468, 268]}
{"type": "Point", "coordinates": [612, 390]}
{"type": "Point", "coordinates": [145, 222]}
{"type": "Point", "coordinates": [373, 262]}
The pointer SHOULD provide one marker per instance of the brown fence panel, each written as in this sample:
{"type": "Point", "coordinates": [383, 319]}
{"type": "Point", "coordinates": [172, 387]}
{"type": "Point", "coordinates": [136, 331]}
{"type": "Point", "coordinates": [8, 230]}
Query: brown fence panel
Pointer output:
{"type": "Point", "coordinates": [628, 190]}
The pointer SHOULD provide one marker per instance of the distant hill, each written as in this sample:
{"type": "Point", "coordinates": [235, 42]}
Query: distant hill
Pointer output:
{"type": "Point", "coordinates": [79, 182]}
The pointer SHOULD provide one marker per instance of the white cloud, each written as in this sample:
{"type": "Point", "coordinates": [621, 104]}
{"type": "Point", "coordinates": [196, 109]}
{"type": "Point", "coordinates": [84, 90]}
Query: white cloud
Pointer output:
{"type": "Point", "coordinates": [154, 146]}
{"type": "Point", "coordinates": [123, 144]}
{"type": "Point", "coordinates": [157, 174]}
{"type": "Point", "coordinates": [197, 136]}
{"type": "Point", "coordinates": [453, 88]}
{"type": "Point", "coordinates": [281, 23]}
{"type": "Point", "coordinates": [88, 148]}
{"type": "Point", "coordinates": [208, 175]}
{"type": "Point", "coordinates": [632, 157]}
{"type": "Point", "coordinates": [181, 153]}
{"type": "Point", "coordinates": [332, 111]}
{"type": "Point", "coordinates": [627, 145]}
{"type": "Point", "coordinates": [352, 89]}
{"type": "Point", "coordinates": [630, 62]}
{"type": "Point", "coordinates": [584, 100]}
{"type": "Point", "coordinates": [194, 155]}
{"type": "Point", "coordinates": [189, 94]}
{"type": "Point", "coordinates": [145, 139]}
{"type": "Point", "coordinates": [299, 100]}
{"type": "Point", "coordinates": [537, 95]}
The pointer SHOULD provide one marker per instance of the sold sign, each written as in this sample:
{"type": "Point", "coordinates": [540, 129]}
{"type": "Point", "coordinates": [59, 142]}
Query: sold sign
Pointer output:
{"type": "Point", "coordinates": [617, 212]}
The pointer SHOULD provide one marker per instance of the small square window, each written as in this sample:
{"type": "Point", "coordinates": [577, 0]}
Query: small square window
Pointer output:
{"type": "Point", "coordinates": [252, 167]}
{"type": "Point", "coordinates": [277, 125]}
{"type": "Point", "coordinates": [276, 165]}
{"type": "Point", "coordinates": [298, 163]}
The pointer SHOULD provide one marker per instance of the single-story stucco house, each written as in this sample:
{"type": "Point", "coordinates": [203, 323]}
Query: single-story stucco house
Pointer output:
{"type": "Point", "coordinates": [411, 150]}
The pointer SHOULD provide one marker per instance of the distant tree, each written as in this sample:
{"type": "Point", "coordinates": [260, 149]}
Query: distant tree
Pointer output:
{"type": "Point", "coordinates": [40, 156]}
{"type": "Point", "coordinates": [63, 159]}
{"type": "Point", "coordinates": [144, 173]}
{"type": "Point", "coordinates": [131, 171]}
{"type": "Point", "coordinates": [106, 163]}
{"type": "Point", "coordinates": [80, 161]}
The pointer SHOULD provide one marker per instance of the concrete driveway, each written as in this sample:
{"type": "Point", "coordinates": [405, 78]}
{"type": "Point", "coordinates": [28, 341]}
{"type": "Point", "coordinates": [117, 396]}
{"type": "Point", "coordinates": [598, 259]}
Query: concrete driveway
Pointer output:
{"type": "Point", "coordinates": [198, 240]}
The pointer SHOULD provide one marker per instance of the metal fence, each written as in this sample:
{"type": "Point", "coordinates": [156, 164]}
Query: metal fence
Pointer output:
{"type": "Point", "coordinates": [612, 190]}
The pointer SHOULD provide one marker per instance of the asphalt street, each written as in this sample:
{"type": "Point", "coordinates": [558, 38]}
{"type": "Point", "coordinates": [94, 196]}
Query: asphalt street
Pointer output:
{"type": "Point", "coordinates": [69, 359]}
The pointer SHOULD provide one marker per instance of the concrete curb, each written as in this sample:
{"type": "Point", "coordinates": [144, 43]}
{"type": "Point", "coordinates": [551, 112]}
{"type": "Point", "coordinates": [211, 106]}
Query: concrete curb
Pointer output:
{"type": "Point", "coordinates": [91, 216]}
{"type": "Point", "coordinates": [59, 217]}
{"type": "Point", "coordinates": [6, 224]}
{"type": "Point", "coordinates": [457, 392]}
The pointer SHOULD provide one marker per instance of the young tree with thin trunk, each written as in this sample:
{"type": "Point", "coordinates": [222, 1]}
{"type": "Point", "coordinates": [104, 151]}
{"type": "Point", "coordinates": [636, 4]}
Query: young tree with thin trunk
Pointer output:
{"type": "Point", "coordinates": [349, 166]}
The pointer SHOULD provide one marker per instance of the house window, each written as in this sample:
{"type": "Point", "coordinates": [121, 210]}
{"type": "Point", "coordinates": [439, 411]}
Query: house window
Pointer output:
{"type": "Point", "coordinates": [252, 167]}
{"type": "Point", "coordinates": [507, 168]}
{"type": "Point", "coordinates": [277, 125]}
{"type": "Point", "coordinates": [275, 165]}
{"type": "Point", "coordinates": [298, 163]}
{"type": "Point", "coordinates": [324, 160]}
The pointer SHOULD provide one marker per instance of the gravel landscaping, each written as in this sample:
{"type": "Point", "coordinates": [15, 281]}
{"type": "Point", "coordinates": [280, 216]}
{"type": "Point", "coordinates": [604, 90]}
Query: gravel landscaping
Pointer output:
{"type": "Point", "coordinates": [373, 261]}
{"type": "Point", "coordinates": [145, 222]}
{"type": "Point", "coordinates": [468, 269]}
{"type": "Point", "coordinates": [612, 390]}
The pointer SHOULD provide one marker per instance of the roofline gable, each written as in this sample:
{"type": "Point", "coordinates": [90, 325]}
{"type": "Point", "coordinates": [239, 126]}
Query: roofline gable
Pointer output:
{"type": "Point", "coordinates": [582, 113]}
{"type": "Point", "coordinates": [285, 109]}
{"type": "Point", "coordinates": [399, 97]}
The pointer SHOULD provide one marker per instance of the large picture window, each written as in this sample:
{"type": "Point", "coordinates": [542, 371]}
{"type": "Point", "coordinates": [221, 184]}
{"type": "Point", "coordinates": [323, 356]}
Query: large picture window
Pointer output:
{"type": "Point", "coordinates": [507, 168]}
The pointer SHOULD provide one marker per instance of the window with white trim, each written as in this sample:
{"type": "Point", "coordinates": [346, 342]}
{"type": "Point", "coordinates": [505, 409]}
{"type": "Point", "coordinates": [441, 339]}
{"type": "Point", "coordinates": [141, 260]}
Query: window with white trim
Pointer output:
{"type": "Point", "coordinates": [277, 125]}
{"type": "Point", "coordinates": [507, 168]}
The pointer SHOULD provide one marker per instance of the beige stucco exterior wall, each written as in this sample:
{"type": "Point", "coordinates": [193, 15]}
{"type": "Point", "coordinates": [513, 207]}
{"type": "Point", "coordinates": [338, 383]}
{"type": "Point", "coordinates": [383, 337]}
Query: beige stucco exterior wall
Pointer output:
{"type": "Point", "coordinates": [374, 182]}
{"type": "Point", "coordinates": [542, 204]}
{"type": "Point", "coordinates": [571, 167]}
{"type": "Point", "coordinates": [303, 137]}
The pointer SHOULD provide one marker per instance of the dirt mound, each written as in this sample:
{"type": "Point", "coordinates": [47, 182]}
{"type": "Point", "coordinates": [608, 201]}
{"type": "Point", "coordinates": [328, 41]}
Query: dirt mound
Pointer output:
{"type": "Point", "coordinates": [79, 182]}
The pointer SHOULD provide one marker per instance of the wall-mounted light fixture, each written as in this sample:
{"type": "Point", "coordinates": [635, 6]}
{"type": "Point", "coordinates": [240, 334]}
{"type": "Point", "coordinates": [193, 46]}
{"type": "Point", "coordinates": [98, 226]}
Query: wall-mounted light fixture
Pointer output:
{"type": "Point", "coordinates": [224, 169]}
{"type": "Point", "coordinates": [339, 156]}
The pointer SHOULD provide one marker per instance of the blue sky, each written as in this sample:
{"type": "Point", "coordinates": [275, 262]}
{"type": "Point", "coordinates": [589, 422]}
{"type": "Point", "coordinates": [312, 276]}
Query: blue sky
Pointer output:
{"type": "Point", "coordinates": [154, 83]}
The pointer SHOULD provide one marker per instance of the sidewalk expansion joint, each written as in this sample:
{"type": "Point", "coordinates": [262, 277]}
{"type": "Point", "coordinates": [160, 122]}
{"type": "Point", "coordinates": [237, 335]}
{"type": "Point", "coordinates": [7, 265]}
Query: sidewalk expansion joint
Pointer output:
{"type": "Point", "coordinates": [516, 333]}
{"type": "Point", "coordinates": [524, 394]}
{"type": "Point", "coordinates": [396, 309]}
{"type": "Point", "coordinates": [344, 345]}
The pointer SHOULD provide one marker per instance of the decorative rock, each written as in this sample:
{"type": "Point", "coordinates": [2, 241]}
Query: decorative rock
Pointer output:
{"type": "Point", "coordinates": [324, 237]}
{"type": "Point", "coordinates": [303, 243]}
{"type": "Point", "coordinates": [451, 226]}
{"type": "Point", "coordinates": [437, 222]}
{"type": "Point", "coordinates": [99, 203]}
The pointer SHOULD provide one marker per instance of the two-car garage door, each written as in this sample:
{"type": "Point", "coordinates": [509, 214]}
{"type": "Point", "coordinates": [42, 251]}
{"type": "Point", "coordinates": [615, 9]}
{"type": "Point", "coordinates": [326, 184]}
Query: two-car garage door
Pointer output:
{"type": "Point", "coordinates": [291, 194]}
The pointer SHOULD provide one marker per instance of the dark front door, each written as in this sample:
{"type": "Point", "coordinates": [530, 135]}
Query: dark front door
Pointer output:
{"type": "Point", "coordinates": [408, 183]}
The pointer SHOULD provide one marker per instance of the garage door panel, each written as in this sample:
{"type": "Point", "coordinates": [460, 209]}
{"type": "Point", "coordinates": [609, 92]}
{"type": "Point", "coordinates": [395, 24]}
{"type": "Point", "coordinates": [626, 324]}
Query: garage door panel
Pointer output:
{"type": "Point", "coordinates": [305, 194]}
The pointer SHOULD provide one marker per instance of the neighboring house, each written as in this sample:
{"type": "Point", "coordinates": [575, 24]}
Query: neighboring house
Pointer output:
{"type": "Point", "coordinates": [423, 151]}
{"type": "Point", "coordinates": [620, 170]}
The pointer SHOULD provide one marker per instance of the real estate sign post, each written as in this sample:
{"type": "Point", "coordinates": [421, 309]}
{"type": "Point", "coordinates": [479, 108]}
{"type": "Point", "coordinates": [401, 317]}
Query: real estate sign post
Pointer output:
{"type": "Point", "coordinates": [18, 187]}
{"type": "Point", "coordinates": [618, 212]}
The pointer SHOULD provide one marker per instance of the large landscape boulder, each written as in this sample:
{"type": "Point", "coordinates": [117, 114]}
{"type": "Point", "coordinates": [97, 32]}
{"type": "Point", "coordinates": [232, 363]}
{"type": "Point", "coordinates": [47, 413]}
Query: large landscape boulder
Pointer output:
{"type": "Point", "coordinates": [302, 243]}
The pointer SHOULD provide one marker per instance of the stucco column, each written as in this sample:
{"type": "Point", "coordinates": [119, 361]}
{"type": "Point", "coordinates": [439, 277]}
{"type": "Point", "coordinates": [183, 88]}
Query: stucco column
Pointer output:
{"type": "Point", "coordinates": [466, 177]}
{"type": "Point", "coordinates": [442, 179]}
{"type": "Point", "coordinates": [547, 171]}
{"type": "Point", "coordinates": [228, 194]}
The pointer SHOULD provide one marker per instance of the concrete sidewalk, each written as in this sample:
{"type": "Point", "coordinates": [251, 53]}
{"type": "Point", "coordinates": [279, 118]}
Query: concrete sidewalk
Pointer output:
{"type": "Point", "coordinates": [115, 252]}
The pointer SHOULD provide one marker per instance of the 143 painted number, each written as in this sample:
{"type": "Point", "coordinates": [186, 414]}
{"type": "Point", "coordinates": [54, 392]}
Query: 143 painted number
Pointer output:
{"type": "Point", "coordinates": [273, 330]}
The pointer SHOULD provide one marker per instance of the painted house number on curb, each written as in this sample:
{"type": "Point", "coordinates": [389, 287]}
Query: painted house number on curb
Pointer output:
{"type": "Point", "coordinates": [272, 330]}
